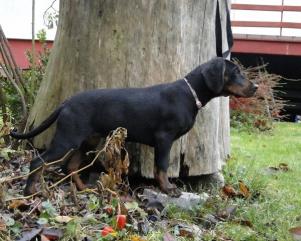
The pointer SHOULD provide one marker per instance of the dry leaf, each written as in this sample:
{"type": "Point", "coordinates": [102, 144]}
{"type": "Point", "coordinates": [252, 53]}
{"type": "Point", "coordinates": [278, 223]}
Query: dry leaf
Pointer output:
{"type": "Point", "coordinates": [168, 237]}
{"type": "Point", "coordinates": [2, 225]}
{"type": "Point", "coordinates": [136, 238]}
{"type": "Point", "coordinates": [245, 223]}
{"type": "Point", "coordinates": [116, 161]}
{"type": "Point", "coordinates": [21, 203]}
{"type": "Point", "coordinates": [52, 234]}
{"type": "Point", "coordinates": [44, 238]}
{"type": "Point", "coordinates": [228, 191]}
{"type": "Point", "coordinates": [283, 167]}
{"type": "Point", "coordinates": [244, 190]}
{"type": "Point", "coordinates": [296, 233]}
{"type": "Point", "coordinates": [63, 219]}
{"type": "Point", "coordinates": [30, 234]}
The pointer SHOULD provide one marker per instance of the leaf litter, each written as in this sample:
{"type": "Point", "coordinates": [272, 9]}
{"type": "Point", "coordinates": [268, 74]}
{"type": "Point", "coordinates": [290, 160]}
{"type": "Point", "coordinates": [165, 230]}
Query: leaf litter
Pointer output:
{"type": "Point", "coordinates": [111, 211]}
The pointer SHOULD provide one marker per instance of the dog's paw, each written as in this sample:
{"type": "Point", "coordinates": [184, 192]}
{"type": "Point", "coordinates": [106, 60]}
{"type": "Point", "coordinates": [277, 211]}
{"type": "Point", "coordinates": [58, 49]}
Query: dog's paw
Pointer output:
{"type": "Point", "coordinates": [174, 192]}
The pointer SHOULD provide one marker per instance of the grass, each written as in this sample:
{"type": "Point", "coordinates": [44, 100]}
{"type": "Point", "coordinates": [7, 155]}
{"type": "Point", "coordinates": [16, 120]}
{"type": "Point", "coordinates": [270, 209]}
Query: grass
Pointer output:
{"type": "Point", "coordinates": [277, 204]}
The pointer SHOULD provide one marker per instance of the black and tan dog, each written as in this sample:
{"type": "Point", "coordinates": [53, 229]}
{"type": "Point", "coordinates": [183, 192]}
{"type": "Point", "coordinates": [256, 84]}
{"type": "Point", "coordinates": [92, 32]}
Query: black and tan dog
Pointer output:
{"type": "Point", "coordinates": [155, 116]}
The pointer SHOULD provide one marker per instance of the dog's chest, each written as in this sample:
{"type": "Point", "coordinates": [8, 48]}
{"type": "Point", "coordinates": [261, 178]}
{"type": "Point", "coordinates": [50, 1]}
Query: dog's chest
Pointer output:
{"type": "Point", "coordinates": [184, 125]}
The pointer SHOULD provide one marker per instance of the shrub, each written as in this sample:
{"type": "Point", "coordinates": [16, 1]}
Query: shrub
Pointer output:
{"type": "Point", "coordinates": [259, 111]}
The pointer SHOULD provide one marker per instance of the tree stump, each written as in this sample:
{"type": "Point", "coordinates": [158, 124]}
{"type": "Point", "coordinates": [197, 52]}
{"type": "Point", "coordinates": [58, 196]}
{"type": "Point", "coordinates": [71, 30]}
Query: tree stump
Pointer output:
{"type": "Point", "coordinates": [108, 44]}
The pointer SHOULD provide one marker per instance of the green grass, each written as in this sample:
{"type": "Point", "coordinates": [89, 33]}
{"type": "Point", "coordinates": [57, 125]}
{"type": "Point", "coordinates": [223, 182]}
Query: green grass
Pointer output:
{"type": "Point", "coordinates": [277, 204]}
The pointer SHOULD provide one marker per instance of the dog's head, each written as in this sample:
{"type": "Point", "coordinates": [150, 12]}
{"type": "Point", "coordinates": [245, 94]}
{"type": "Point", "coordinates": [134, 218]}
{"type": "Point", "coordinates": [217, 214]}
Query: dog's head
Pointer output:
{"type": "Point", "coordinates": [225, 78]}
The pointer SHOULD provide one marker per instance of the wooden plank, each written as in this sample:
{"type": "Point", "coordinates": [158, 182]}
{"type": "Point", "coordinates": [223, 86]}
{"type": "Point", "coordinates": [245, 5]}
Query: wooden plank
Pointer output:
{"type": "Point", "coordinates": [267, 47]}
{"type": "Point", "coordinates": [238, 6]}
{"type": "Point", "coordinates": [266, 24]}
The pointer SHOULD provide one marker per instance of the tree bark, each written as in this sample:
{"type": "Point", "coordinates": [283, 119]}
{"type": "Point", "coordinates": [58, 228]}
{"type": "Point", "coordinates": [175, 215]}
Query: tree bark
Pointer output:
{"type": "Point", "coordinates": [105, 44]}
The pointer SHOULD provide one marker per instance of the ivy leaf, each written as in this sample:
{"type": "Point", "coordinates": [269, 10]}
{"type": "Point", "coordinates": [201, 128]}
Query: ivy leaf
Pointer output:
{"type": "Point", "coordinates": [49, 209]}
{"type": "Point", "coordinates": [42, 221]}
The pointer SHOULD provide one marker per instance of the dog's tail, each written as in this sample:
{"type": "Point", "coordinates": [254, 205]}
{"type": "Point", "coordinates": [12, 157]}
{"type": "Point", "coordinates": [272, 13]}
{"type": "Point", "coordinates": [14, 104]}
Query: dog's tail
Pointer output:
{"type": "Point", "coordinates": [43, 126]}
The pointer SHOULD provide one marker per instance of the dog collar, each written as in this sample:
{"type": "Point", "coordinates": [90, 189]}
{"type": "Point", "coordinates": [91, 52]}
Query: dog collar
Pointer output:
{"type": "Point", "coordinates": [197, 101]}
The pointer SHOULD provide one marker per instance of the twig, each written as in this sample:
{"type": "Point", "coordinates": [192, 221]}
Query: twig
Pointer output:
{"type": "Point", "coordinates": [38, 168]}
{"type": "Point", "coordinates": [64, 178]}
{"type": "Point", "coordinates": [32, 210]}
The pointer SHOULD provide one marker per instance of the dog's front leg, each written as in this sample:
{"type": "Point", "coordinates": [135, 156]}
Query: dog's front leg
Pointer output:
{"type": "Point", "coordinates": [162, 150]}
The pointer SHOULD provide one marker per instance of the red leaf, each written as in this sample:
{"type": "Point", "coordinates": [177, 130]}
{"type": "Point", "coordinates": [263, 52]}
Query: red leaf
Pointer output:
{"type": "Point", "coordinates": [107, 230]}
{"type": "Point", "coordinates": [228, 191]}
{"type": "Point", "coordinates": [121, 221]}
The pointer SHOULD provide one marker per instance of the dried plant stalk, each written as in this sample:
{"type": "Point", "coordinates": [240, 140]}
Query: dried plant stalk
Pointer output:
{"type": "Point", "coordinates": [266, 104]}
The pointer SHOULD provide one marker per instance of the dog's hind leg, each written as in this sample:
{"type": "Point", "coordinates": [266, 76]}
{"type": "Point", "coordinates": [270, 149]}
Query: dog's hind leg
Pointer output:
{"type": "Point", "coordinates": [69, 136]}
{"type": "Point", "coordinates": [52, 154]}
{"type": "Point", "coordinates": [72, 166]}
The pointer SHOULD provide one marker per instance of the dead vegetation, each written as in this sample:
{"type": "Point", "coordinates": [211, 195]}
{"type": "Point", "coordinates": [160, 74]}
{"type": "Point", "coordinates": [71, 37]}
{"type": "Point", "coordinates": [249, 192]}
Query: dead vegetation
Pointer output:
{"type": "Point", "coordinates": [265, 107]}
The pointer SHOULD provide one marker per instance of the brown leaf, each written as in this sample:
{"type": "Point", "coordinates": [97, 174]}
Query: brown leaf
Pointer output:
{"type": "Point", "coordinates": [228, 191]}
{"type": "Point", "coordinates": [244, 190]}
{"type": "Point", "coordinates": [5, 130]}
{"type": "Point", "coordinates": [185, 232]}
{"type": "Point", "coordinates": [296, 233]}
{"type": "Point", "coordinates": [108, 181]}
{"type": "Point", "coordinates": [245, 223]}
{"type": "Point", "coordinates": [2, 225]}
{"type": "Point", "coordinates": [116, 161]}
{"type": "Point", "coordinates": [44, 238]}
{"type": "Point", "coordinates": [283, 167]}
{"type": "Point", "coordinates": [52, 234]}
{"type": "Point", "coordinates": [18, 204]}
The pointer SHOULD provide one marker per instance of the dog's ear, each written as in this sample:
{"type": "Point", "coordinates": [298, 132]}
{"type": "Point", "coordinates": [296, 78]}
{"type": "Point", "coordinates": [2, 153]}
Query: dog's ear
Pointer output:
{"type": "Point", "coordinates": [213, 73]}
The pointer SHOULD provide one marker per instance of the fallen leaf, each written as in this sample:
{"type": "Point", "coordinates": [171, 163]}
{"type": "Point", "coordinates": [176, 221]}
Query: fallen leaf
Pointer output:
{"type": "Point", "coordinates": [296, 233]}
{"type": "Point", "coordinates": [108, 231]}
{"type": "Point", "coordinates": [136, 238]}
{"type": "Point", "coordinates": [168, 237]}
{"type": "Point", "coordinates": [191, 231]}
{"type": "Point", "coordinates": [244, 190]}
{"type": "Point", "coordinates": [30, 234]}
{"type": "Point", "coordinates": [52, 233]}
{"type": "Point", "coordinates": [228, 191]}
{"type": "Point", "coordinates": [63, 219]}
{"type": "Point", "coordinates": [44, 238]}
{"type": "Point", "coordinates": [245, 223]}
{"type": "Point", "coordinates": [6, 153]}
{"type": "Point", "coordinates": [121, 221]}
{"type": "Point", "coordinates": [283, 167]}
{"type": "Point", "coordinates": [2, 225]}
{"type": "Point", "coordinates": [18, 204]}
